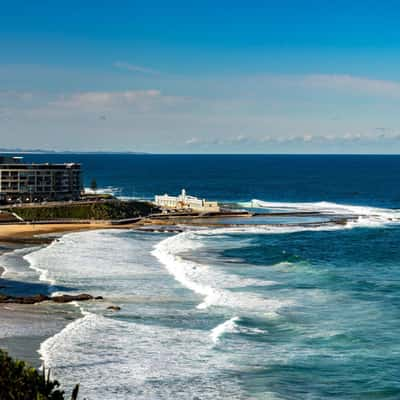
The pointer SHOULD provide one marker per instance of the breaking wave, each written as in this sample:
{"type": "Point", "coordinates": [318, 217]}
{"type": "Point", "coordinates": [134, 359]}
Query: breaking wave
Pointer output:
{"type": "Point", "coordinates": [210, 283]}
{"type": "Point", "coordinates": [363, 215]}
{"type": "Point", "coordinates": [232, 326]}
{"type": "Point", "coordinates": [227, 326]}
{"type": "Point", "coordinates": [114, 191]}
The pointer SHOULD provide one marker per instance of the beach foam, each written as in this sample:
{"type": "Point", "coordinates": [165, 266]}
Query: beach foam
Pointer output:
{"type": "Point", "coordinates": [36, 266]}
{"type": "Point", "coordinates": [210, 283]}
{"type": "Point", "coordinates": [227, 326]}
{"type": "Point", "coordinates": [366, 215]}
{"type": "Point", "coordinates": [132, 360]}
{"type": "Point", "coordinates": [145, 351]}
{"type": "Point", "coordinates": [16, 268]}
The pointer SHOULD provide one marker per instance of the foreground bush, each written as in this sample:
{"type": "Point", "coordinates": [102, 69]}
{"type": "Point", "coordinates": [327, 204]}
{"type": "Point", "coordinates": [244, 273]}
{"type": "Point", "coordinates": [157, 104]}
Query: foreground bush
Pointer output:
{"type": "Point", "coordinates": [18, 381]}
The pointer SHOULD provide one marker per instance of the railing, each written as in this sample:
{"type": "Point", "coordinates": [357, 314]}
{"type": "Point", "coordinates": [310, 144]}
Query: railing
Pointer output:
{"type": "Point", "coordinates": [75, 221]}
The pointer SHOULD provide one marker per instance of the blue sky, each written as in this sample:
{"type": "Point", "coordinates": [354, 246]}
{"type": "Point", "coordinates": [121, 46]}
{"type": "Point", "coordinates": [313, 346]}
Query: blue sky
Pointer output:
{"type": "Point", "coordinates": [201, 77]}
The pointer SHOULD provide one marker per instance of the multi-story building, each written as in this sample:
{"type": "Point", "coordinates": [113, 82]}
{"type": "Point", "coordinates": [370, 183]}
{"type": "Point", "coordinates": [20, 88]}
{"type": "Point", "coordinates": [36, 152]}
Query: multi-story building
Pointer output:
{"type": "Point", "coordinates": [185, 202]}
{"type": "Point", "coordinates": [25, 183]}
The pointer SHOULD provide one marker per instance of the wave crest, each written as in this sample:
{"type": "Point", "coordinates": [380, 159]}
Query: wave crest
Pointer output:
{"type": "Point", "coordinates": [363, 215]}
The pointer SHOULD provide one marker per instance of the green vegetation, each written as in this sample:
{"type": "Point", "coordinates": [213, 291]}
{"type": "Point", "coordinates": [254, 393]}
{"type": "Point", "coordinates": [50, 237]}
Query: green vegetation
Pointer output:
{"type": "Point", "coordinates": [100, 210]}
{"type": "Point", "coordinates": [19, 381]}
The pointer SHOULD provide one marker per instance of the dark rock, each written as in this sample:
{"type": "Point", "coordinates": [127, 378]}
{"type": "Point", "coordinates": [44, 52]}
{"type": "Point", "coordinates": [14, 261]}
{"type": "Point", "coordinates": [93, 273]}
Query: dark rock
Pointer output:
{"type": "Point", "coordinates": [114, 308]}
{"type": "Point", "coordinates": [36, 299]}
{"type": "Point", "coordinates": [23, 300]}
{"type": "Point", "coordinates": [66, 298]}
{"type": "Point", "coordinates": [3, 298]}
{"type": "Point", "coordinates": [98, 298]}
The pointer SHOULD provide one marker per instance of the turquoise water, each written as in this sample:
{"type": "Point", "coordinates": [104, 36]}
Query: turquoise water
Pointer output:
{"type": "Point", "coordinates": [230, 314]}
{"type": "Point", "coordinates": [249, 312]}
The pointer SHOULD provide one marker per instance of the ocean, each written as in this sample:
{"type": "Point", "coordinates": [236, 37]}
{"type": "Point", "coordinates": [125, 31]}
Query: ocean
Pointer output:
{"type": "Point", "coordinates": [261, 311]}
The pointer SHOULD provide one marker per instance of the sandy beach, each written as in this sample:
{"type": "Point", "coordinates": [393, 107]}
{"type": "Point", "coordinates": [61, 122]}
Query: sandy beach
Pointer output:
{"type": "Point", "coordinates": [15, 232]}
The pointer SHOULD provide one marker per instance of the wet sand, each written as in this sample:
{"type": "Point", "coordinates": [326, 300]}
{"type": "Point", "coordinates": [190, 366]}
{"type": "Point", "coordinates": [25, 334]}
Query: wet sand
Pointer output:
{"type": "Point", "coordinates": [15, 232]}
{"type": "Point", "coordinates": [24, 327]}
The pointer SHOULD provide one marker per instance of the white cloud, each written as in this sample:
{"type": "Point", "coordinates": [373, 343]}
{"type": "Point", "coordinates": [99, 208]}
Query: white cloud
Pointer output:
{"type": "Point", "coordinates": [353, 84]}
{"type": "Point", "coordinates": [135, 68]}
{"type": "Point", "coordinates": [193, 140]}
{"type": "Point", "coordinates": [104, 99]}
{"type": "Point", "coordinates": [307, 138]}
{"type": "Point", "coordinates": [139, 100]}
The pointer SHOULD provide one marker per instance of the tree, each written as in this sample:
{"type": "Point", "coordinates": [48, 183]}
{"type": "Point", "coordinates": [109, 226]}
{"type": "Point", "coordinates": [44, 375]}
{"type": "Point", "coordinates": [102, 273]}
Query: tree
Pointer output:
{"type": "Point", "coordinates": [93, 185]}
{"type": "Point", "coordinates": [19, 381]}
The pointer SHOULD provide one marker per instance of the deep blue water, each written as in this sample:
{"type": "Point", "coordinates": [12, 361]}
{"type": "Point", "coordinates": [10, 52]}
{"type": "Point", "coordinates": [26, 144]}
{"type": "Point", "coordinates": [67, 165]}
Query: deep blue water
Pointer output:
{"type": "Point", "coordinates": [256, 312]}
{"type": "Point", "coordinates": [370, 180]}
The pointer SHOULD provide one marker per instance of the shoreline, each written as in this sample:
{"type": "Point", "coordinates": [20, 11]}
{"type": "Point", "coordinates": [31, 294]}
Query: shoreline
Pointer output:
{"type": "Point", "coordinates": [31, 325]}
{"type": "Point", "coordinates": [27, 233]}
{"type": "Point", "coordinates": [37, 322]}
{"type": "Point", "coordinates": [47, 320]}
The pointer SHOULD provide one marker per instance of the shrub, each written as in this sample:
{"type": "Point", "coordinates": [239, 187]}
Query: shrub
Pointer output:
{"type": "Point", "coordinates": [107, 210]}
{"type": "Point", "coordinates": [19, 381]}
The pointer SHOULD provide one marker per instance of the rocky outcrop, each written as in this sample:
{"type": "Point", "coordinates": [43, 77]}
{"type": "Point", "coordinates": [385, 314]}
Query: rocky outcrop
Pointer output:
{"type": "Point", "coordinates": [114, 308]}
{"type": "Point", "coordinates": [65, 298]}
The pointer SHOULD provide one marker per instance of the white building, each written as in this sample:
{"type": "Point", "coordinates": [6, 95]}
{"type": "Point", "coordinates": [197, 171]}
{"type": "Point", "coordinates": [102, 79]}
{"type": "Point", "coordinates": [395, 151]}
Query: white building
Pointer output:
{"type": "Point", "coordinates": [186, 202]}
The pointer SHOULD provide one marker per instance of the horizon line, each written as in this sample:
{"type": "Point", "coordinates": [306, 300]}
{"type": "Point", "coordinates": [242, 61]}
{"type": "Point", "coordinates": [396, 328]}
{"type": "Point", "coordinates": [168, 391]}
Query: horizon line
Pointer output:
{"type": "Point", "coordinates": [141, 153]}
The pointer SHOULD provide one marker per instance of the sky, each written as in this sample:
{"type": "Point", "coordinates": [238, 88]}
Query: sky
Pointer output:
{"type": "Point", "coordinates": [200, 76]}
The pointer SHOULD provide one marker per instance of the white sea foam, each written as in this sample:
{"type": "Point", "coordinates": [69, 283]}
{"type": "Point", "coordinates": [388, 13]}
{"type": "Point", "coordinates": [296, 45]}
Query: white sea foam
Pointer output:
{"type": "Point", "coordinates": [36, 261]}
{"type": "Point", "coordinates": [14, 268]}
{"type": "Point", "coordinates": [43, 273]}
{"type": "Point", "coordinates": [51, 344]}
{"type": "Point", "coordinates": [227, 326]}
{"type": "Point", "coordinates": [367, 216]}
{"type": "Point", "coordinates": [4, 271]}
{"type": "Point", "coordinates": [114, 191]}
{"type": "Point", "coordinates": [106, 190]}
{"type": "Point", "coordinates": [210, 283]}
{"type": "Point", "coordinates": [275, 229]}
{"type": "Point", "coordinates": [120, 360]}
{"type": "Point", "coordinates": [79, 259]}
{"type": "Point", "coordinates": [214, 285]}
{"type": "Point", "coordinates": [232, 326]}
